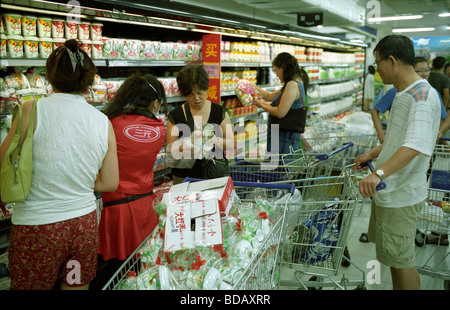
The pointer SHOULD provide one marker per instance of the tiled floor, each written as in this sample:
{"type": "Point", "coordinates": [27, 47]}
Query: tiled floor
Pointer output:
{"type": "Point", "coordinates": [362, 254]}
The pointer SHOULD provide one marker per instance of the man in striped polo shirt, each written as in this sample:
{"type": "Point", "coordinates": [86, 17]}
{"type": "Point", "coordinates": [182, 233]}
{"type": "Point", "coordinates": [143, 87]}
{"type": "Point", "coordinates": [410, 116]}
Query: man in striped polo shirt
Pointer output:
{"type": "Point", "coordinates": [402, 161]}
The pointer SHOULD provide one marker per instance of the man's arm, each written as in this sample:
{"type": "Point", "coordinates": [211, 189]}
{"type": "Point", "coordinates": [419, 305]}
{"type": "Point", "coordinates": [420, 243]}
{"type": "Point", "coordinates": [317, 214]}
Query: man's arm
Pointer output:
{"type": "Point", "coordinates": [367, 186]}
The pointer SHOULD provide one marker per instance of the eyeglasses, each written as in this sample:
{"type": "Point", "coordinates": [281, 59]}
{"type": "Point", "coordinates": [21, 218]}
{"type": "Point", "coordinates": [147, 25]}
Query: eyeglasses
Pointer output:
{"type": "Point", "coordinates": [375, 64]}
{"type": "Point", "coordinates": [423, 71]}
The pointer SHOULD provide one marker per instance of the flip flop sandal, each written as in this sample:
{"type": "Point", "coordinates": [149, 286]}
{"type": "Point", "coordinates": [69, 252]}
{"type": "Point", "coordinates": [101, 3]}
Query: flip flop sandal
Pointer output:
{"type": "Point", "coordinates": [435, 240]}
{"type": "Point", "coordinates": [364, 238]}
{"type": "Point", "coordinates": [420, 239]}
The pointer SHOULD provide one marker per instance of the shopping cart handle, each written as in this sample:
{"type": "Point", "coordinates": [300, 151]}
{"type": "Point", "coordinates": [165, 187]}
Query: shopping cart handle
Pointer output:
{"type": "Point", "coordinates": [289, 187]}
{"type": "Point", "coordinates": [326, 156]}
{"type": "Point", "coordinates": [381, 185]}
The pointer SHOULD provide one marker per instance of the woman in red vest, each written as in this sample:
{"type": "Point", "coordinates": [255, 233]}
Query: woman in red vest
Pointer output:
{"type": "Point", "coordinates": [128, 217]}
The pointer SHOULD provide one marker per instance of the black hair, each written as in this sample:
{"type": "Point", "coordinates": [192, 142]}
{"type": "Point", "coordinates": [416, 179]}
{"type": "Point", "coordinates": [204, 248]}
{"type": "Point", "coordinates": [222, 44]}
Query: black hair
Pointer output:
{"type": "Point", "coordinates": [291, 69]}
{"type": "Point", "coordinates": [438, 62]}
{"type": "Point", "coordinates": [191, 76]}
{"type": "Point", "coordinates": [137, 91]}
{"type": "Point", "coordinates": [398, 46]}
{"type": "Point", "coordinates": [419, 60]}
{"type": "Point", "coordinates": [61, 73]}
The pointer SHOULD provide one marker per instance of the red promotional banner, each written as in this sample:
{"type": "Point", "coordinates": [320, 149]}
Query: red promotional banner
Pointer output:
{"type": "Point", "coordinates": [211, 62]}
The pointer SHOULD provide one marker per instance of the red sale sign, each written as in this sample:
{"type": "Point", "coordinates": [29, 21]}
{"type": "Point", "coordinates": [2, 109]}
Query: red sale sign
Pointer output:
{"type": "Point", "coordinates": [211, 63]}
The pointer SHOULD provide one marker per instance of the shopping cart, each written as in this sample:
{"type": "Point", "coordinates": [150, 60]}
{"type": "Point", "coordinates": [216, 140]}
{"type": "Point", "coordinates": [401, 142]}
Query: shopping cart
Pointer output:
{"type": "Point", "coordinates": [434, 219]}
{"type": "Point", "coordinates": [326, 143]}
{"type": "Point", "coordinates": [296, 164]}
{"type": "Point", "coordinates": [261, 271]}
{"type": "Point", "coordinates": [316, 233]}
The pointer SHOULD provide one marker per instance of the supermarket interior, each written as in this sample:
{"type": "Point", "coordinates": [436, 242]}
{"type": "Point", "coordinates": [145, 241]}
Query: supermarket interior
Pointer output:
{"type": "Point", "coordinates": [292, 220]}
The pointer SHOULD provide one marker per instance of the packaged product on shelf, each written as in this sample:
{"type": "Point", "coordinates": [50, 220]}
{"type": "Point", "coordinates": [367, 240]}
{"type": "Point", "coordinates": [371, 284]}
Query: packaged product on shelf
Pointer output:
{"type": "Point", "coordinates": [148, 50]}
{"type": "Point", "coordinates": [83, 30]}
{"type": "Point", "coordinates": [71, 29]}
{"type": "Point", "coordinates": [112, 48]}
{"type": "Point", "coordinates": [29, 25]}
{"type": "Point", "coordinates": [15, 46]}
{"type": "Point", "coordinates": [24, 95]}
{"type": "Point", "coordinates": [131, 49]}
{"type": "Point", "coordinates": [13, 24]}
{"type": "Point", "coordinates": [179, 51]}
{"type": "Point", "coordinates": [96, 31]}
{"type": "Point", "coordinates": [58, 42]}
{"type": "Point", "coordinates": [86, 45]}
{"type": "Point", "coordinates": [45, 47]}
{"type": "Point", "coordinates": [8, 100]}
{"type": "Point", "coordinates": [99, 93]}
{"type": "Point", "coordinates": [31, 47]}
{"type": "Point", "coordinates": [44, 27]}
{"type": "Point", "coordinates": [58, 28]}
{"type": "Point", "coordinates": [97, 50]}
{"type": "Point", "coordinates": [166, 51]}
{"type": "Point", "coordinates": [2, 28]}
{"type": "Point", "coordinates": [16, 80]}
{"type": "Point", "coordinates": [3, 49]}
{"type": "Point", "coordinates": [111, 88]}
{"type": "Point", "coordinates": [36, 79]}
{"type": "Point", "coordinates": [192, 50]}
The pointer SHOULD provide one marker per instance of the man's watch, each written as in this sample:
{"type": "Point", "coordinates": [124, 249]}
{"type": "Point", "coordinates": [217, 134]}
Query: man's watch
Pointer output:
{"type": "Point", "coordinates": [380, 173]}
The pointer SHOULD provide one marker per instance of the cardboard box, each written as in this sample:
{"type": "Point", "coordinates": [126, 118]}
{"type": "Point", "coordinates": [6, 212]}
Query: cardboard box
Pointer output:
{"type": "Point", "coordinates": [207, 230]}
{"type": "Point", "coordinates": [220, 188]}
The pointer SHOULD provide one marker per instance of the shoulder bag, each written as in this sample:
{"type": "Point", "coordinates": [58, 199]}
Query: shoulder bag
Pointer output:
{"type": "Point", "coordinates": [294, 120]}
{"type": "Point", "coordinates": [16, 169]}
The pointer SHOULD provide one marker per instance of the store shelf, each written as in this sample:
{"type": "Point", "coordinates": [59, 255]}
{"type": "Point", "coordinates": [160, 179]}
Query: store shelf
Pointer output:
{"type": "Point", "coordinates": [335, 80]}
{"type": "Point", "coordinates": [24, 62]}
{"type": "Point", "coordinates": [313, 101]}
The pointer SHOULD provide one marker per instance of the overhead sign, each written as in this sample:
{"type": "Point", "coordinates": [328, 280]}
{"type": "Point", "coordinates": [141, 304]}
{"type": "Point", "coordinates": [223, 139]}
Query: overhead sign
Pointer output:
{"type": "Point", "coordinates": [309, 19]}
{"type": "Point", "coordinates": [432, 44]}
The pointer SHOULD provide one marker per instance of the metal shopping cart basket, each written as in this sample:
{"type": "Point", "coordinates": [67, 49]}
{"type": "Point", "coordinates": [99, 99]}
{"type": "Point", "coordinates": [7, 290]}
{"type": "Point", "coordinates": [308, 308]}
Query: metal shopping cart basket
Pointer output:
{"type": "Point", "coordinates": [261, 270]}
{"type": "Point", "coordinates": [326, 143]}
{"type": "Point", "coordinates": [317, 231]}
{"type": "Point", "coordinates": [296, 164]}
{"type": "Point", "coordinates": [434, 218]}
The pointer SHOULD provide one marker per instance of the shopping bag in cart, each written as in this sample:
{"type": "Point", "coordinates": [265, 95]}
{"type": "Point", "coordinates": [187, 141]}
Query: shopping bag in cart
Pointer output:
{"type": "Point", "coordinates": [318, 235]}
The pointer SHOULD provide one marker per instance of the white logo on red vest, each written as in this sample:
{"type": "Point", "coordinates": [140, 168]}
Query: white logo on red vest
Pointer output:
{"type": "Point", "coordinates": [142, 133]}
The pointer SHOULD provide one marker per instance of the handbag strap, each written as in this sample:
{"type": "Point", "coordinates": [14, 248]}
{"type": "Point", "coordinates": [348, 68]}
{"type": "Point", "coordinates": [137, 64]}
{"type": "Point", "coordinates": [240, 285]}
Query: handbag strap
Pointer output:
{"type": "Point", "coordinates": [189, 118]}
{"type": "Point", "coordinates": [17, 110]}
{"type": "Point", "coordinates": [301, 96]}
{"type": "Point", "coordinates": [32, 121]}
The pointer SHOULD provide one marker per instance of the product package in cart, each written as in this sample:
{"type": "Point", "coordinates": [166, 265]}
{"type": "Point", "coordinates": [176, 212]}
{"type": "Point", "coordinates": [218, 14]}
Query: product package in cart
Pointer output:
{"type": "Point", "coordinates": [192, 223]}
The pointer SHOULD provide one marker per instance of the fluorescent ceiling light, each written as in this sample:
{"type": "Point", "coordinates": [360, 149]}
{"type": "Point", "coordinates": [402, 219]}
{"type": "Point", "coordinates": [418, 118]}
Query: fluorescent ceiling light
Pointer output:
{"type": "Point", "coordinates": [444, 15]}
{"type": "Point", "coordinates": [391, 18]}
{"type": "Point", "coordinates": [413, 29]}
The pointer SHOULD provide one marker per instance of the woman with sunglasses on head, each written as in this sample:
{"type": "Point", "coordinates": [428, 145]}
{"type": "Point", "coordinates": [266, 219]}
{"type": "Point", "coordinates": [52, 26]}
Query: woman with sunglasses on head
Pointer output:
{"type": "Point", "coordinates": [128, 216]}
{"type": "Point", "coordinates": [74, 153]}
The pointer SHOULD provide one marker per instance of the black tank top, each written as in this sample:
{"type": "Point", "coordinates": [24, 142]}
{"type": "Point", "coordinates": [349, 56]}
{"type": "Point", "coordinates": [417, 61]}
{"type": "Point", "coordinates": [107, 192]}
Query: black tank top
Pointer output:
{"type": "Point", "coordinates": [177, 116]}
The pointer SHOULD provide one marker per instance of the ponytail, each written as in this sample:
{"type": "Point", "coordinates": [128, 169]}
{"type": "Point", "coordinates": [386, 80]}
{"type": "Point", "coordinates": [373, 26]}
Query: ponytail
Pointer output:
{"type": "Point", "coordinates": [69, 69]}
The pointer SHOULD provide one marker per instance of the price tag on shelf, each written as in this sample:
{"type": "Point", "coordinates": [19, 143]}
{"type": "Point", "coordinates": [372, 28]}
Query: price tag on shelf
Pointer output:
{"type": "Point", "coordinates": [118, 63]}
{"type": "Point", "coordinates": [241, 121]}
